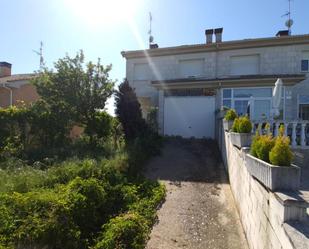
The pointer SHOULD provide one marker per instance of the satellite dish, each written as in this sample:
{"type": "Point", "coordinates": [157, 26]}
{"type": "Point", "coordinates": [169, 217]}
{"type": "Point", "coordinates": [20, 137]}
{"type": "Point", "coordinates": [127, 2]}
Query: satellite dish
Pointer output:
{"type": "Point", "coordinates": [289, 23]}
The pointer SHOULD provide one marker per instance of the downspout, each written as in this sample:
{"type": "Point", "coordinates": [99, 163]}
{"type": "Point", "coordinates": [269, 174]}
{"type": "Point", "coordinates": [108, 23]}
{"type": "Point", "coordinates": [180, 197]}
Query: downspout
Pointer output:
{"type": "Point", "coordinates": [11, 93]}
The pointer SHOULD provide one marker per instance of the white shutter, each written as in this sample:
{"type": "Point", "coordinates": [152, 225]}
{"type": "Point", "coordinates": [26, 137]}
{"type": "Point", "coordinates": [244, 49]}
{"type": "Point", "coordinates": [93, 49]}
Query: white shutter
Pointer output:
{"type": "Point", "coordinates": [189, 68]}
{"type": "Point", "coordinates": [245, 65]}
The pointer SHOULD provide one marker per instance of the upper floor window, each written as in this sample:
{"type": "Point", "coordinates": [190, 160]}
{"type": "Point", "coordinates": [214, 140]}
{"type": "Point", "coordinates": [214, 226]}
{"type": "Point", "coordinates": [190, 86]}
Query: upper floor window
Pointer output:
{"type": "Point", "coordinates": [191, 68]}
{"type": "Point", "coordinates": [305, 62]}
{"type": "Point", "coordinates": [245, 65]}
{"type": "Point", "coordinates": [142, 72]}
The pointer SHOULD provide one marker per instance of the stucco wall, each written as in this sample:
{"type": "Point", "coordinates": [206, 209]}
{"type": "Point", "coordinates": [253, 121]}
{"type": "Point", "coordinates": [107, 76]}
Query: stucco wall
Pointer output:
{"type": "Point", "coordinates": [264, 215]}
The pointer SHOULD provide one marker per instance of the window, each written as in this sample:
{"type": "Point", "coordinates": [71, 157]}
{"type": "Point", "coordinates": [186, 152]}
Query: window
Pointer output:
{"type": "Point", "coordinates": [142, 72]}
{"type": "Point", "coordinates": [257, 102]}
{"type": "Point", "coordinates": [245, 65]}
{"type": "Point", "coordinates": [305, 62]}
{"type": "Point", "coordinates": [191, 68]}
{"type": "Point", "coordinates": [303, 101]}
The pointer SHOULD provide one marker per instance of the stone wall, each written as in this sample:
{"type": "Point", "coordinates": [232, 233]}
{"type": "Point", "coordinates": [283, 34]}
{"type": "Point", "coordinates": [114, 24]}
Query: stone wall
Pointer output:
{"type": "Point", "coordinates": [270, 219]}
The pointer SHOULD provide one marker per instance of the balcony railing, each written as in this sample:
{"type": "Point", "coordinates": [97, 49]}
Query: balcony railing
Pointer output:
{"type": "Point", "coordinates": [297, 130]}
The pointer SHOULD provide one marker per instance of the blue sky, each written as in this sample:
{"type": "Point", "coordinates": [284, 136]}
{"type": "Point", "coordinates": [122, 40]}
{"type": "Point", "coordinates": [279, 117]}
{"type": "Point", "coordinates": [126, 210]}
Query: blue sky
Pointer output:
{"type": "Point", "coordinates": [103, 28]}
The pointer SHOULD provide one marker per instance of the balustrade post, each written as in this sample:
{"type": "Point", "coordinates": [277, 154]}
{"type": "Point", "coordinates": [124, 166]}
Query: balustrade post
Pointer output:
{"type": "Point", "coordinates": [276, 131]}
{"type": "Point", "coordinates": [294, 142]}
{"type": "Point", "coordinates": [286, 126]}
{"type": "Point", "coordinates": [303, 134]}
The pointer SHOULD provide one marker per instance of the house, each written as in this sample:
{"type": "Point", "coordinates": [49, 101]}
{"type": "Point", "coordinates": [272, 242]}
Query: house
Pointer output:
{"type": "Point", "coordinates": [190, 84]}
{"type": "Point", "coordinates": [15, 89]}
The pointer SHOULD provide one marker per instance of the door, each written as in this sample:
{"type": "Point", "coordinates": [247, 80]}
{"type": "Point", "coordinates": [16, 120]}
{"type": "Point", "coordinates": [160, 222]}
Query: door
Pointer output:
{"type": "Point", "coordinates": [189, 116]}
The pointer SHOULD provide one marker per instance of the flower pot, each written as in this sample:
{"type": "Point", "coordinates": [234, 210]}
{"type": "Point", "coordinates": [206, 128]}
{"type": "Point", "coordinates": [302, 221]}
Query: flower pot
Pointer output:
{"type": "Point", "coordinates": [241, 139]}
{"type": "Point", "coordinates": [227, 125]}
{"type": "Point", "coordinates": [272, 176]}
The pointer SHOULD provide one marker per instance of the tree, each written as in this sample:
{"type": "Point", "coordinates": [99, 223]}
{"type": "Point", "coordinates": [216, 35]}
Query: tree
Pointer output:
{"type": "Point", "coordinates": [79, 87]}
{"type": "Point", "coordinates": [128, 111]}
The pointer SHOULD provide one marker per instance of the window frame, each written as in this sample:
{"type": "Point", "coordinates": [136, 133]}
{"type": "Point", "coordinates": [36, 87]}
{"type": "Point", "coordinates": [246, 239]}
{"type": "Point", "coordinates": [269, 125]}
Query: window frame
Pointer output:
{"type": "Point", "coordinates": [299, 103]}
{"type": "Point", "coordinates": [305, 57]}
{"type": "Point", "coordinates": [301, 67]}
{"type": "Point", "coordinates": [232, 98]}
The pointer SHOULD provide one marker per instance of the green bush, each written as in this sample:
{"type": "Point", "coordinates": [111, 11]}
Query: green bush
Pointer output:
{"type": "Point", "coordinates": [261, 146]}
{"type": "Point", "coordinates": [281, 154]}
{"type": "Point", "coordinates": [127, 231]}
{"type": "Point", "coordinates": [230, 115]}
{"type": "Point", "coordinates": [242, 125]}
{"type": "Point", "coordinates": [66, 205]}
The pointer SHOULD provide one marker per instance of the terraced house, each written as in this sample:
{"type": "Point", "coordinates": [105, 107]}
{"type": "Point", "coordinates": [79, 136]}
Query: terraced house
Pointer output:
{"type": "Point", "coordinates": [189, 84]}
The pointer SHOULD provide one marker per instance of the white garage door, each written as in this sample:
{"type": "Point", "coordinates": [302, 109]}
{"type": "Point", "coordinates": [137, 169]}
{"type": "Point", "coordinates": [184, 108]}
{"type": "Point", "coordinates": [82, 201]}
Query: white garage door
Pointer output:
{"type": "Point", "coordinates": [189, 116]}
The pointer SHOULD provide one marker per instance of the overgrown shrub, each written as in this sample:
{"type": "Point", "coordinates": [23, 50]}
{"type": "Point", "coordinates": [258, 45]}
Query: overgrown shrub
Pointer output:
{"type": "Point", "coordinates": [261, 146]}
{"type": "Point", "coordinates": [242, 125]}
{"type": "Point", "coordinates": [66, 205]}
{"type": "Point", "coordinates": [230, 115]}
{"type": "Point", "coordinates": [127, 231]}
{"type": "Point", "coordinates": [281, 154]}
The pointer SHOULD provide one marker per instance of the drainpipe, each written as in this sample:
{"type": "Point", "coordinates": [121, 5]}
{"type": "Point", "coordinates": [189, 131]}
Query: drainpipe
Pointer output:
{"type": "Point", "coordinates": [11, 93]}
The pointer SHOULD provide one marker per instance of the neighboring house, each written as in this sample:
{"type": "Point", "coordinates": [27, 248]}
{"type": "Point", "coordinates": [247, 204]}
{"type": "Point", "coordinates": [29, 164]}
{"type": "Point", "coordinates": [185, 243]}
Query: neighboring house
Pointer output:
{"type": "Point", "coordinates": [190, 83]}
{"type": "Point", "coordinates": [15, 89]}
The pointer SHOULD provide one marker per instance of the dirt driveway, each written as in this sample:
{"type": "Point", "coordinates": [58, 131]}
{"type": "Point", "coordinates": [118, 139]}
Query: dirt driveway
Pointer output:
{"type": "Point", "coordinates": [199, 211]}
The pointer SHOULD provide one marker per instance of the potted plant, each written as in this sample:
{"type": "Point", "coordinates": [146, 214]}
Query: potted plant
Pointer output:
{"type": "Point", "coordinates": [229, 119]}
{"type": "Point", "coordinates": [270, 162]}
{"type": "Point", "coordinates": [241, 135]}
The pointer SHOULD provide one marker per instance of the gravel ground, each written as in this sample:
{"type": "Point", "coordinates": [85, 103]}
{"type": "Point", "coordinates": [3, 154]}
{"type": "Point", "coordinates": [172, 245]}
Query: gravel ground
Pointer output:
{"type": "Point", "coordinates": [199, 211]}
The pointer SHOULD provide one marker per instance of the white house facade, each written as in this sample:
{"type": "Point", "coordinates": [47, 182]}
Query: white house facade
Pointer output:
{"type": "Point", "coordinates": [190, 84]}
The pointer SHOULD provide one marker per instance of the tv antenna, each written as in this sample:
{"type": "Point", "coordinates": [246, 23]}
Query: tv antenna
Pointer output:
{"type": "Point", "coordinates": [150, 29]}
{"type": "Point", "coordinates": [40, 53]}
{"type": "Point", "coordinates": [290, 21]}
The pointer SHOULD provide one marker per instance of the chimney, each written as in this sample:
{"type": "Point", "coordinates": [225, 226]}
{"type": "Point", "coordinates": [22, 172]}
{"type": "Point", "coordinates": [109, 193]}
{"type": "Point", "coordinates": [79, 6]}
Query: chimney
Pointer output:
{"type": "Point", "coordinates": [282, 33]}
{"type": "Point", "coordinates": [5, 69]}
{"type": "Point", "coordinates": [153, 46]}
{"type": "Point", "coordinates": [209, 34]}
{"type": "Point", "coordinates": [218, 34]}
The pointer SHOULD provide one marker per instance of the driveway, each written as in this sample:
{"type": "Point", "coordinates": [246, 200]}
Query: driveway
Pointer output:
{"type": "Point", "coordinates": [199, 211]}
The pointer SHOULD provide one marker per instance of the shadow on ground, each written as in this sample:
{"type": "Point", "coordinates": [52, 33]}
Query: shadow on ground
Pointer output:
{"type": "Point", "coordinates": [194, 160]}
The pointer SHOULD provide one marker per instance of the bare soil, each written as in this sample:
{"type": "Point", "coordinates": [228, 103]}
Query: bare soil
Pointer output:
{"type": "Point", "coordinates": [199, 211]}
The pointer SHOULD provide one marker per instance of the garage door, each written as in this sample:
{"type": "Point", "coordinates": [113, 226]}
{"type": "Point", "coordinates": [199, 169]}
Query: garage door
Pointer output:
{"type": "Point", "coordinates": [189, 116]}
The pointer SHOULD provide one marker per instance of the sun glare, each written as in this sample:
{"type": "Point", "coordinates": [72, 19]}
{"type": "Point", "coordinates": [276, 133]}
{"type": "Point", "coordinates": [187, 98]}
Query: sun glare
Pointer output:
{"type": "Point", "coordinates": [102, 12]}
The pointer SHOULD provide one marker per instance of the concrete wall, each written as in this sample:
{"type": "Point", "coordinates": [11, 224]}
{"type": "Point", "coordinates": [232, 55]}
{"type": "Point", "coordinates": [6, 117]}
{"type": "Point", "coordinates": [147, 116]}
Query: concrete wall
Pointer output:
{"type": "Point", "coordinates": [266, 216]}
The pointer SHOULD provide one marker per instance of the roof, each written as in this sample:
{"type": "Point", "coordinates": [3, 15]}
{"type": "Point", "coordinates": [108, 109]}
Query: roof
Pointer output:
{"type": "Point", "coordinates": [16, 77]}
{"type": "Point", "coordinates": [245, 80]}
{"type": "Point", "coordinates": [226, 45]}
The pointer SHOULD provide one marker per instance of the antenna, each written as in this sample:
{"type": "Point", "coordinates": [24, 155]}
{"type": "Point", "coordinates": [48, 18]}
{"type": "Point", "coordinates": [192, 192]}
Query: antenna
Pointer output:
{"type": "Point", "coordinates": [150, 29]}
{"type": "Point", "coordinates": [40, 53]}
{"type": "Point", "coordinates": [290, 21]}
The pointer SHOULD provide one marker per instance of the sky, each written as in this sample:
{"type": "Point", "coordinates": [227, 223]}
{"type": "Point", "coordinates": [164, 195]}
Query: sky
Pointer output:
{"type": "Point", "coordinates": [104, 28]}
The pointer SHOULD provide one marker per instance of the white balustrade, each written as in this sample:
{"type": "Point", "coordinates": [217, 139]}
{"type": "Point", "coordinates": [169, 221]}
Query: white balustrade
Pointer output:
{"type": "Point", "coordinates": [298, 130]}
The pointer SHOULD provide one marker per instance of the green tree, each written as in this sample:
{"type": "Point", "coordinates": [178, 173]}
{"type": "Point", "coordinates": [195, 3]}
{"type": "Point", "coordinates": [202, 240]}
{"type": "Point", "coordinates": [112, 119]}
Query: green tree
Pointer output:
{"type": "Point", "coordinates": [79, 88]}
{"type": "Point", "coordinates": [128, 111]}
